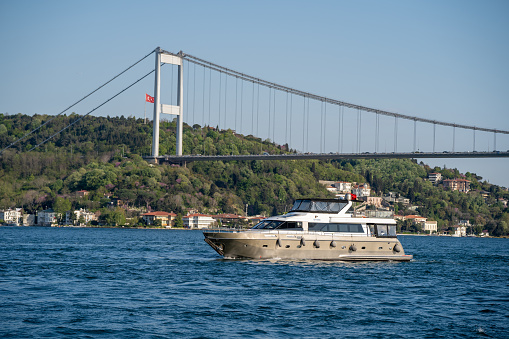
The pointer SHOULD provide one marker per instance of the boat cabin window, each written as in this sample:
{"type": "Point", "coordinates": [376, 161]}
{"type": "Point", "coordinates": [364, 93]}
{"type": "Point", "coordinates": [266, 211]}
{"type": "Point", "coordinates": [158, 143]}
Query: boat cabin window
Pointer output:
{"type": "Point", "coordinates": [276, 224]}
{"type": "Point", "coordinates": [318, 206]}
{"type": "Point", "coordinates": [344, 228]}
{"type": "Point", "coordinates": [388, 231]}
{"type": "Point", "coordinates": [293, 225]}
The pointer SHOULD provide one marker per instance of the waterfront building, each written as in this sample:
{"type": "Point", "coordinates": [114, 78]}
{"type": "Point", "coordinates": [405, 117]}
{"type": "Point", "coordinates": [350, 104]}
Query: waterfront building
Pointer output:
{"type": "Point", "coordinates": [431, 226]}
{"type": "Point", "coordinates": [81, 213]}
{"type": "Point", "coordinates": [11, 216]}
{"type": "Point", "coordinates": [198, 220]}
{"type": "Point", "coordinates": [459, 231]}
{"type": "Point", "coordinates": [166, 219]}
{"type": "Point", "coordinates": [47, 218]}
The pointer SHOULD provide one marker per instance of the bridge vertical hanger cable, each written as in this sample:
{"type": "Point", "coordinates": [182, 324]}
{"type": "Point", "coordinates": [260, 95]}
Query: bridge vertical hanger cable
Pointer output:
{"type": "Point", "coordinates": [321, 126]}
{"type": "Point", "coordinates": [474, 140]}
{"type": "Point", "coordinates": [360, 131]}
{"type": "Point", "coordinates": [225, 101]}
{"type": "Point", "coordinates": [194, 91]}
{"type": "Point", "coordinates": [236, 100]}
{"type": "Point", "coordinates": [77, 102]}
{"type": "Point", "coordinates": [494, 141]}
{"type": "Point", "coordinates": [415, 134]}
{"type": "Point", "coordinates": [357, 141]}
{"type": "Point", "coordinates": [257, 109]}
{"type": "Point", "coordinates": [203, 101]}
{"type": "Point", "coordinates": [219, 103]}
{"type": "Point", "coordinates": [286, 122]}
{"type": "Point", "coordinates": [339, 127]}
{"type": "Point", "coordinates": [453, 137]}
{"type": "Point", "coordinates": [270, 104]}
{"type": "Point", "coordinates": [342, 126]}
{"type": "Point", "coordinates": [274, 118]}
{"type": "Point", "coordinates": [307, 128]}
{"type": "Point", "coordinates": [395, 134]}
{"type": "Point", "coordinates": [291, 119]}
{"type": "Point", "coordinates": [434, 135]}
{"type": "Point", "coordinates": [325, 126]}
{"type": "Point", "coordinates": [304, 125]}
{"type": "Point", "coordinates": [210, 93]}
{"type": "Point", "coordinates": [241, 104]}
{"type": "Point", "coordinates": [252, 109]}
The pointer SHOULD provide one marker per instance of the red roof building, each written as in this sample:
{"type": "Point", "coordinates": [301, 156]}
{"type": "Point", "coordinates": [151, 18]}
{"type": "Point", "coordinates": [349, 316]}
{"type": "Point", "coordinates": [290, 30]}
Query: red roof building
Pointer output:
{"type": "Point", "coordinates": [167, 219]}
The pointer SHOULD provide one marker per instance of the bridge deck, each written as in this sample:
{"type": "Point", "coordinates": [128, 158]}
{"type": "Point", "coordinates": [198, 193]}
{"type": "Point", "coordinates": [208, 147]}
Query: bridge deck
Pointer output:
{"type": "Point", "coordinates": [323, 156]}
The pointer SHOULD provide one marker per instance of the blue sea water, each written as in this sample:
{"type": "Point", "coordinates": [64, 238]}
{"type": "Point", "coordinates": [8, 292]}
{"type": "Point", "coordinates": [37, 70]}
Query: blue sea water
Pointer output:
{"type": "Point", "coordinates": [112, 283]}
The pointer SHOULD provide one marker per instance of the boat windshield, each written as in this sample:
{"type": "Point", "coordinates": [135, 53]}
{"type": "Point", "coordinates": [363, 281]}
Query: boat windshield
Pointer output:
{"type": "Point", "coordinates": [318, 206]}
{"type": "Point", "coordinates": [275, 224]}
{"type": "Point", "coordinates": [268, 224]}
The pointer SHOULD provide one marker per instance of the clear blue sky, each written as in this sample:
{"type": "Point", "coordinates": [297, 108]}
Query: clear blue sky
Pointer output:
{"type": "Point", "coordinates": [443, 60]}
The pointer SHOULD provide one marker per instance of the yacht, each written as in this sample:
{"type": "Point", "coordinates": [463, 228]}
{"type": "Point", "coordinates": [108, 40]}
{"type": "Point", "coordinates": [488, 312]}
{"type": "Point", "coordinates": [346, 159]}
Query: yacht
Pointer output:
{"type": "Point", "coordinates": [314, 229]}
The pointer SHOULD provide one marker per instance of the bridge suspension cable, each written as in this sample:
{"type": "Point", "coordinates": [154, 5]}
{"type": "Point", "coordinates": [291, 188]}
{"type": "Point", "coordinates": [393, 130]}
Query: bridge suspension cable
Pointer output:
{"type": "Point", "coordinates": [94, 109]}
{"type": "Point", "coordinates": [77, 102]}
{"type": "Point", "coordinates": [308, 95]}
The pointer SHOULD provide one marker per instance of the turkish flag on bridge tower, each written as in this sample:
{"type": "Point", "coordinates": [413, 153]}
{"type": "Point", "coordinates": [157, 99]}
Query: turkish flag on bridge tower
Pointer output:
{"type": "Point", "coordinates": [148, 98]}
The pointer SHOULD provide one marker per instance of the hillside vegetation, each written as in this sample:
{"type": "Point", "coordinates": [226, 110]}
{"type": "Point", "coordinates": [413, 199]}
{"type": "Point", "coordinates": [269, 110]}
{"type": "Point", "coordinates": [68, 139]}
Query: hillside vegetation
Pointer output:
{"type": "Point", "coordinates": [104, 156]}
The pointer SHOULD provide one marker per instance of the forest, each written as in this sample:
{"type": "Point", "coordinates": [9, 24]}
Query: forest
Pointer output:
{"type": "Point", "coordinates": [103, 155]}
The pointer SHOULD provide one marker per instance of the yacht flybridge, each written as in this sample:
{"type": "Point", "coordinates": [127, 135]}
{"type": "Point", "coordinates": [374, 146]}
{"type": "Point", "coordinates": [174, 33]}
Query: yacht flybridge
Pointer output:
{"type": "Point", "coordinates": [316, 229]}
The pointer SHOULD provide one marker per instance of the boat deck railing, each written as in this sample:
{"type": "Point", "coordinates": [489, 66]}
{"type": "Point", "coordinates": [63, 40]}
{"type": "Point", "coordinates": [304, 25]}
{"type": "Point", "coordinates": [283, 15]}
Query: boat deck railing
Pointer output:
{"type": "Point", "coordinates": [286, 232]}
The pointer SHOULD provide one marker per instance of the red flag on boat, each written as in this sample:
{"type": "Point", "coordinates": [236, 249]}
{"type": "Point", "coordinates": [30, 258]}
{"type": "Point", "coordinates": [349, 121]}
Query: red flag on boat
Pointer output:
{"type": "Point", "coordinates": [148, 98]}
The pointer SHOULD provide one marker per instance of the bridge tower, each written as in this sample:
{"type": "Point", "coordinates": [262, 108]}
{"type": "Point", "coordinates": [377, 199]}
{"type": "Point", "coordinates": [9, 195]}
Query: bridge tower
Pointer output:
{"type": "Point", "coordinates": [178, 110]}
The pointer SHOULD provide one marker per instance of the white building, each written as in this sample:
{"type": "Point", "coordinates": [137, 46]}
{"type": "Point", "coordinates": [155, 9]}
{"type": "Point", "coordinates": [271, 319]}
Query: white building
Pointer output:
{"type": "Point", "coordinates": [343, 186]}
{"type": "Point", "coordinates": [459, 231]}
{"type": "Point", "coordinates": [435, 178]}
{"type": "Point", "coordinates": [86, 217]}
{"type": "Point", "coordinates": [46, 218]}
{"type": "Point", "coordinates": [430, 226]}
{"type": "Point", "coordinates": [197, 220]}
{"type": "Point", "coordinates": [11, 216]}
{"type": "Point", "coordinates": [361, 190]}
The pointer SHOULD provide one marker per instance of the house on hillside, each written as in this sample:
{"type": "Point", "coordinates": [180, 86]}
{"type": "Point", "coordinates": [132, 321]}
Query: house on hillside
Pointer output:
{"type": "Point", "coordinates": [82, 193]}
{"type": "Point", "coordinates": [372, 201]}
{"type": "Point", "coordinates": [461, 185]}
{"type": "Point", "coordinates": [435, 178]}
{"type": "Point", "coordinates": [416, 219]}
{"type": "Point", "coordinates": [361, 190]}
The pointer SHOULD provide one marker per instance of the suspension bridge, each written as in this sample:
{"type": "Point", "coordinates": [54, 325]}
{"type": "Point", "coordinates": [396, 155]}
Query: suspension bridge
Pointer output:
{"type": "Point", "coordinates": [199, 92]}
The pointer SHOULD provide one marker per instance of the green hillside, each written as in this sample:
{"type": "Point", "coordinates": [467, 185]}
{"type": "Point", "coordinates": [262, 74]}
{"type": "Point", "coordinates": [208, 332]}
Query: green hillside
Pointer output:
{"type": "Point", "coordinates": [103, 156]}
